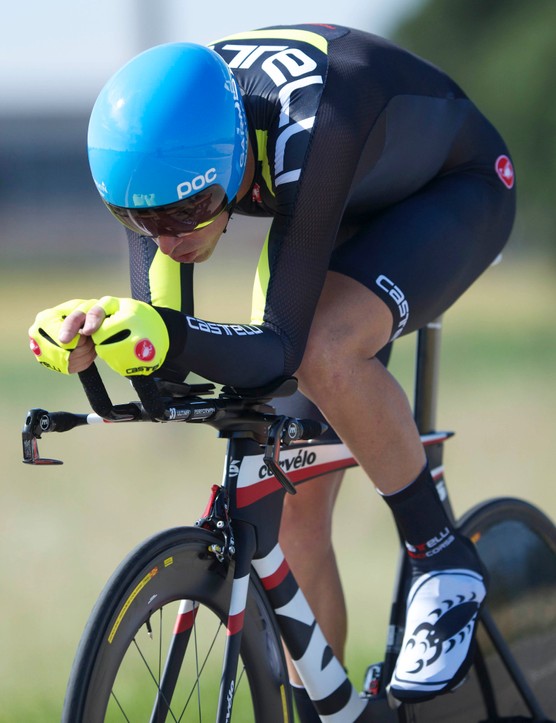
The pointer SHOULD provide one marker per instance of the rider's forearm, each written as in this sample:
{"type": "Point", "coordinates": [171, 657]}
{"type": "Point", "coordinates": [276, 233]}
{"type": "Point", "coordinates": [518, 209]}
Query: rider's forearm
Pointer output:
{"type": "Point", "coordinates": [242, 355]}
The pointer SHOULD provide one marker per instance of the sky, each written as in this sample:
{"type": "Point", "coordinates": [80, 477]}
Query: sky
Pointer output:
{"type": "Point", "coordinates": [58, 54]}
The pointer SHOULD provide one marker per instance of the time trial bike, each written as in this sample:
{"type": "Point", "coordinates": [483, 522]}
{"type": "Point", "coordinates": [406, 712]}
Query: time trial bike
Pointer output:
{"type": "Point", "coordinates": [190, 626]}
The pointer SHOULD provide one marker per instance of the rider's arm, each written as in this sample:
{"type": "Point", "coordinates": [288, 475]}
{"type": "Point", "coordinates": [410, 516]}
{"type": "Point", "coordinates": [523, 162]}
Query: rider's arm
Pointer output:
{"type": "Point", "coordinates": [302, 236]}
{"type": "Point", "coordinates": [162, 282]}
{"type": "Point", "coordinates": [168, 286]}
{"type": "Point", "coordinates": [157, 279]}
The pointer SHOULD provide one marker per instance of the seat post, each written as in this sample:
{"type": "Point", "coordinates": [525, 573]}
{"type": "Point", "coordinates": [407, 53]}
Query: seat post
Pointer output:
{"type": "Point", "coordinates": [427, 368]}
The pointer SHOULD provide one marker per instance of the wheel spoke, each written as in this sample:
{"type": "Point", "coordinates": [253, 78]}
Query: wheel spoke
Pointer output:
{"type": "Point", "coordinates": [115, 698]}
{"type": "Point", "coordinates": [154, 679]}
{"type": "Point", "coordinates": [199, 670]}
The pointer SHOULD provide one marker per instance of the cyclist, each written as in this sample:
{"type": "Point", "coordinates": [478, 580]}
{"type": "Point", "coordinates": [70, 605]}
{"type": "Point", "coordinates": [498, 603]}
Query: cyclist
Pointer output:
{"type": "Point", "coordinates": [389, 193]}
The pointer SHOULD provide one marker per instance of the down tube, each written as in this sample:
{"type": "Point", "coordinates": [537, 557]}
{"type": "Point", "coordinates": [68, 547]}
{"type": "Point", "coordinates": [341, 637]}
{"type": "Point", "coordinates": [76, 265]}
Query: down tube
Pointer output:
{"type": "Point", "coordinates": [258, 500]}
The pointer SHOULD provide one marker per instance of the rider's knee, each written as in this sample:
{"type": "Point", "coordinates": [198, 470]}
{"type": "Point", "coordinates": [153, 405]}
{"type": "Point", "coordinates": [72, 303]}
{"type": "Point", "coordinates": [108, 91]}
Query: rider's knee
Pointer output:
{"type": "Point", "coordinates": [331, 353]}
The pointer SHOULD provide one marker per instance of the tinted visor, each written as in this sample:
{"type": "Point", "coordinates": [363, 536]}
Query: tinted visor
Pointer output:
{"type": "Point", "coordinates": [176, 218]}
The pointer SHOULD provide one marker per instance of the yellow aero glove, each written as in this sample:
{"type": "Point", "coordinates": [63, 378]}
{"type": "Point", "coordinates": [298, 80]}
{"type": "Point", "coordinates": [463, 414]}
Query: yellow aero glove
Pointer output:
{"type": "Point", "coordinates": [133, 339]}
{"type": "Point", "coordinates": [43, 334]}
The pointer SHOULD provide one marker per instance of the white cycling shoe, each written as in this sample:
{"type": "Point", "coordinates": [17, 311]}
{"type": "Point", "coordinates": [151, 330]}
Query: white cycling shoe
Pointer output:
{"type": "Point", "coordinates": [437, 648]}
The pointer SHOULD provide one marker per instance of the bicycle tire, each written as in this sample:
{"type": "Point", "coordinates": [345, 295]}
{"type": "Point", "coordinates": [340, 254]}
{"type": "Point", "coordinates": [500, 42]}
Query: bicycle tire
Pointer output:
{"type": "Point", "coordinates": [169, 567]}
{"type": "Point", "coordinates": [517, 543]}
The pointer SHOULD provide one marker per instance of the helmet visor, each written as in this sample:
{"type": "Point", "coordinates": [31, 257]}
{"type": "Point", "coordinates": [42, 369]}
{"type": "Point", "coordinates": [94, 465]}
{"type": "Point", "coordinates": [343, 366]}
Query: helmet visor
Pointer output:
{"type": "Point", "coordinates": [174, 219]}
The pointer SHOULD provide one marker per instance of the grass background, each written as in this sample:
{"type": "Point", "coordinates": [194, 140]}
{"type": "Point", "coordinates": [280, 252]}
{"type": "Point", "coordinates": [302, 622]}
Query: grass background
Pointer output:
{"type": "Point", "coordinates": [65, 528]}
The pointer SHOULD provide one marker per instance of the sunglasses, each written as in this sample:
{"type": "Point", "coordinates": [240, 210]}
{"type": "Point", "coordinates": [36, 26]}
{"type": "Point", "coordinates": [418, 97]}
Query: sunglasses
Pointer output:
{"type": "Point", "coordinates": [177, 218]}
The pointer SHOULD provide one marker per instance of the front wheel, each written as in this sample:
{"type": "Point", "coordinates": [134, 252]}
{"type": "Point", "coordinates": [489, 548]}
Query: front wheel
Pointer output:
{"type": "Point", "coordinates": [153, 647]}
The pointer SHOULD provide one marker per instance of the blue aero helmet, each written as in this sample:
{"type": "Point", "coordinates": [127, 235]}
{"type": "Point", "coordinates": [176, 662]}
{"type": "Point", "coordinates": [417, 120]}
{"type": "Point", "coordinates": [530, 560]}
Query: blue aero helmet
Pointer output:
{"type": "Point", "coordinates": [167, 140]}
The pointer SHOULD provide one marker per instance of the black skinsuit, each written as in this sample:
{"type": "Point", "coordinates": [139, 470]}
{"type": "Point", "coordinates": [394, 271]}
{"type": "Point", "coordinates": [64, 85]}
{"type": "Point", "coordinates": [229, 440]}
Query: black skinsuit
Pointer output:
{"type": "Point", "coordinates": [373, 163]}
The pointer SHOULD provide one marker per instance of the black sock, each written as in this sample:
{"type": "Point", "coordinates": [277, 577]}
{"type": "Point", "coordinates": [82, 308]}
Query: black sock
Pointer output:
{"type": "Point", "coordinates": [305, 709]}
{"type": "Point", "coordinates": [430, 539]}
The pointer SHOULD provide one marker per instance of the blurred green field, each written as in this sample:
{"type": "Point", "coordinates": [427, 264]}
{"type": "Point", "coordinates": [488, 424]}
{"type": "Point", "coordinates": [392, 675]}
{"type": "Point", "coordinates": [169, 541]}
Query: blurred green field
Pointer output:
{"type": "Point", "coordinates": [64, 529]}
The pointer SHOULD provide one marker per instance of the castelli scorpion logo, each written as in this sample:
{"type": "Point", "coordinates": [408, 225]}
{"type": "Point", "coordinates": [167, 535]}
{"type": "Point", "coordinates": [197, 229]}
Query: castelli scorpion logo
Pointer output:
{"type": "Point", "coordinates": [35, 348]}
{"type": "Point", "coordinates": [505, 171]}
{"type": "Point", "coordinates": [145, 350]}
{"type": "Point", "coordinates": [451, 625]}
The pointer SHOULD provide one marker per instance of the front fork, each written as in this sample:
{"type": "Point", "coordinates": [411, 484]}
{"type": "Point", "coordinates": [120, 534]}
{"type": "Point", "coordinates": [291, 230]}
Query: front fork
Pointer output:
{"type": "Point", "coordinates": [245, 549]}
{"type": "Point", "coordinates": [238, 542]}
{"type": "Point", "coordinates": [245, 537]}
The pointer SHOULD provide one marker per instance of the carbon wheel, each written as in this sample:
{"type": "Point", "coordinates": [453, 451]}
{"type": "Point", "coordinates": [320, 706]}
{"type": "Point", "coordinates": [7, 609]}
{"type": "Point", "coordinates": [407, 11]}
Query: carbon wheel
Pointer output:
{"type": "Point", "coordinates": [172, 583]}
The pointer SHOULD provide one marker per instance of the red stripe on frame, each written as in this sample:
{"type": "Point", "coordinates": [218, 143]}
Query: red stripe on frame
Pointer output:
{"type": "Point", "coordinates": [430, 439]}
{"type": "Point", "coordinates": [247, 495]}
{"type": "Point", "coordinates": [272, 581]}
{"type": "Point", "coordinates": [235, 623]}
{"type": "Point", "coordinates": [185, 622]}
{"type": "Point", "coordinates": [253, 493]}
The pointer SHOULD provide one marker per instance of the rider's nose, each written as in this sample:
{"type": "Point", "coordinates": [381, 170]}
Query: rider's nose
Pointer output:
{"type": "Point", "coordinates": [167, 243]}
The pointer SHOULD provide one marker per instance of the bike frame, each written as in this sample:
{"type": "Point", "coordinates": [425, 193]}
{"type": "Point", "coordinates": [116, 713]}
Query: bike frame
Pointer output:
{"type": "Point", "coordinates": [253, 504]}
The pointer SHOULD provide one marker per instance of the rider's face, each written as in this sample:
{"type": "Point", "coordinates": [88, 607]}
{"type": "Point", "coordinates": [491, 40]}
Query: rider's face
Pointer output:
{"type": "Point", "coordinates": [196, 246]}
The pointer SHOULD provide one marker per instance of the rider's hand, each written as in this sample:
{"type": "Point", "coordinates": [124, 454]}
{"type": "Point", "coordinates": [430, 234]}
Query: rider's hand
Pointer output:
{"type": "Point", "coordinates": [132, 339]}
{"type": "Point", "coordinates": [129, 335]}
{"type": "Point", "coordinates": [55, 335]}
